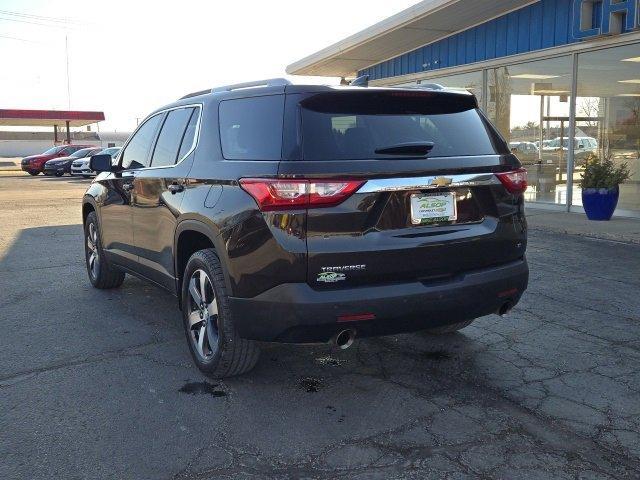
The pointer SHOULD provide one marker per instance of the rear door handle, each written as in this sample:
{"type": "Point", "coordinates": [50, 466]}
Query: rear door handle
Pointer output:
{"type": "Point", "coordinates": [127, 187]}
{"type": "Point", "coordinates": [175, 188]}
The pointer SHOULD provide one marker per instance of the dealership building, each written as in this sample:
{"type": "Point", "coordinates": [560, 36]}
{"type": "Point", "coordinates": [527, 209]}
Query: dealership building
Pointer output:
{"type": "Point", "coordinates": [560, 79]}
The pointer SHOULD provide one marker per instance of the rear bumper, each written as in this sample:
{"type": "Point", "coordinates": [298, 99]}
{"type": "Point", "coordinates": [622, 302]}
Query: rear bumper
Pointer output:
{"type": "Point", "coordinates": [298, 313]}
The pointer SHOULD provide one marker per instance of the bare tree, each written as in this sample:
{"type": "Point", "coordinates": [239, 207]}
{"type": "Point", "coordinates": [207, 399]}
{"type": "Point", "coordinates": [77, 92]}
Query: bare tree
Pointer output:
{"type": "Point", "coordinates": [589, 107]}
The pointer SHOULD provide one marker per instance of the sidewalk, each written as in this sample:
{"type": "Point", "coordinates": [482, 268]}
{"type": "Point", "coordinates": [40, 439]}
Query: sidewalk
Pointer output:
{"type": "Point", "coordinates": [10, 165]}
{"type": "Point", "coordinates": [617, 229]}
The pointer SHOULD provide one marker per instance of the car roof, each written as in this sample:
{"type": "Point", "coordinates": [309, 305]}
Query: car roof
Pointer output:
{"type": "Point", "coordinates": [244, 91]}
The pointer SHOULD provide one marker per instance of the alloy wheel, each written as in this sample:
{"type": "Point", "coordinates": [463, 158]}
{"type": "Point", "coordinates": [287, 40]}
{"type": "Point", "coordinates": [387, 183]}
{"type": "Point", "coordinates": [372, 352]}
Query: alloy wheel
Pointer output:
{"type": "Point", "coordinates": [93, 257]}
{"type": "Point", "coordinates": [202, 315]}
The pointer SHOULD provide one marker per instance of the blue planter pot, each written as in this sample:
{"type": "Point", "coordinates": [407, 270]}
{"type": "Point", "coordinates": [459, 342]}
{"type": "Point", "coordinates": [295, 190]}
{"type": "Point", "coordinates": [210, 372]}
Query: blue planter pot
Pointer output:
{"type": "Point", "coordinates": [600, 203]}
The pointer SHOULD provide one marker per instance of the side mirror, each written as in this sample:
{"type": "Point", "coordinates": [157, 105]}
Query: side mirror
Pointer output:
{"type": "Point", "coordinates": [100, 163]}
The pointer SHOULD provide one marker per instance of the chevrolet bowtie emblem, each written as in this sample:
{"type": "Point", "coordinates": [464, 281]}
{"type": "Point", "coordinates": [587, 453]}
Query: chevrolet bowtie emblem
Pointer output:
{"type": "Point", "coordinates": [441, 181]}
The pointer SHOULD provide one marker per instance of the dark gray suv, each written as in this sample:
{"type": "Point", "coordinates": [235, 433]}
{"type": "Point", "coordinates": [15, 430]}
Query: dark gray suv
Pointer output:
{"type": "Point", "coordinates": [305, 213]}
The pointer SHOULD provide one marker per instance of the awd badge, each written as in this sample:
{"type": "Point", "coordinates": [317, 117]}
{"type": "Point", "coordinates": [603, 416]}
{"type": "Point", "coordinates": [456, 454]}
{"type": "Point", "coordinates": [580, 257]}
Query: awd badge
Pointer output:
{"type": "Point", "coordinates": [331, 277]}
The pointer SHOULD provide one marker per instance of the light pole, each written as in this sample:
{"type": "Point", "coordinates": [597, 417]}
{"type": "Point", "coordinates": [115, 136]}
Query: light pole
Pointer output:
{"type": "Point", "coordinates": [66, 47]}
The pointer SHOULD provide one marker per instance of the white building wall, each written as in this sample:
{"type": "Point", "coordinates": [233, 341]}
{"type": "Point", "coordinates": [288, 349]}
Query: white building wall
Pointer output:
{"type": "Point", "coordinates": [24, 148]}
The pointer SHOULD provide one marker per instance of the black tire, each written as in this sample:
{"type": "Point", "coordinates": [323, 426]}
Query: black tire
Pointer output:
{"type": "Point", "coordinates": [101, 274]}
{"type": "Point", "coordinates": [59, 174]}
{"type": "Point", "coordinates": [228, 354]}
{"type": "Point", "coordinates": [34, 173]}
{"type": "Point", "coordinates": [445, 329]}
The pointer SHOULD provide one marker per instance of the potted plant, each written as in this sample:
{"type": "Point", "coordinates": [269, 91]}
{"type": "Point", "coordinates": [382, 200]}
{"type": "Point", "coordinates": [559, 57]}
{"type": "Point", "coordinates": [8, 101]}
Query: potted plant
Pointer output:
{"type": "Point", "coordinates": [600, 186]}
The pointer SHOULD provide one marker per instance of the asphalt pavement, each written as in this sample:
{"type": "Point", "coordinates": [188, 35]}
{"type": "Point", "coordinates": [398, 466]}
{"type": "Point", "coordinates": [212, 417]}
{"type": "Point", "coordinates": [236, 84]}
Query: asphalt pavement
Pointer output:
{"type": "Point", "coordinates": [99, 384]}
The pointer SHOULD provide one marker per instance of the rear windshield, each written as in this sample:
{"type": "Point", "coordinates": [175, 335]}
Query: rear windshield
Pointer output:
{"type": "Point", "coordinates": [352, 126]}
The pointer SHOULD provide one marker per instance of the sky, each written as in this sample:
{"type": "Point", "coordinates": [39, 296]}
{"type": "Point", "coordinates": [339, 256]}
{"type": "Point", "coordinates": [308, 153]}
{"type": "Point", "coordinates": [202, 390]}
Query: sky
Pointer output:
{"type": "Point", "coordinates": [127, 58]}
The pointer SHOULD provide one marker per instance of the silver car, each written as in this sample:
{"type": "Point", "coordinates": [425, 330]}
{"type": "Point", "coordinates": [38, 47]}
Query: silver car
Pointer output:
{"type": "Point", "coordinates": [81, 167]}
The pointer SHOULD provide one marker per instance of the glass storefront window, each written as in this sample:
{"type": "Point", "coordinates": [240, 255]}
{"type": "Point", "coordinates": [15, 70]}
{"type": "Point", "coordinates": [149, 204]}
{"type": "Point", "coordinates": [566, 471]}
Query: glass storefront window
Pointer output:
{"type": "Point", "coordinates": [608, 115]}
{"type": "Point", "coordinates": [529, 104]}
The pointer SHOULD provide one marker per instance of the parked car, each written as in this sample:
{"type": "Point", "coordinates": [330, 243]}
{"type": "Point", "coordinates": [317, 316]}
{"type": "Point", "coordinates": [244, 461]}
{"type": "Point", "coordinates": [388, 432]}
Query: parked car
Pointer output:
{"type": "Point", "coordinates": [526, 151]}
{"type": "Point", "coordinates": [545, 143]}
{"type": "Point", "coordinates": [34, 164]}
{"type": "Point", "coordinates": [306, 213]}
{"type": "Point", "coordinates": [559, 148]}
{"type": "Point", "coordinates": [62, 165]}
{"type": "Point", "coordinates": [81, 167]}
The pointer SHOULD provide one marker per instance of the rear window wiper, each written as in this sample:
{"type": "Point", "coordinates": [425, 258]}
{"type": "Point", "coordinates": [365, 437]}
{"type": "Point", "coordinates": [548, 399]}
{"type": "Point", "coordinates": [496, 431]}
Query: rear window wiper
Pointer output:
{"type": "Point", "coordinates": [408, 148]}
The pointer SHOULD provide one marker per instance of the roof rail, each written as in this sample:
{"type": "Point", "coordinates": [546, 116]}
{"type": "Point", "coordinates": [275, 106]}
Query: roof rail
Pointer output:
{"type": "Point", "coordinates": [195, 94]}
{"type": "Point", "coordinates": [271, 82]}
{"type": "Point", "coordinates": [429, 86]}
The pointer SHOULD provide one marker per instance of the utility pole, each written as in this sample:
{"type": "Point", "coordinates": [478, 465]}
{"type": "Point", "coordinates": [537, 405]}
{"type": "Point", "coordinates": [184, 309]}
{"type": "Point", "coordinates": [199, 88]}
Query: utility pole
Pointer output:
{"type": "Point", "coordinates": [66, 47]}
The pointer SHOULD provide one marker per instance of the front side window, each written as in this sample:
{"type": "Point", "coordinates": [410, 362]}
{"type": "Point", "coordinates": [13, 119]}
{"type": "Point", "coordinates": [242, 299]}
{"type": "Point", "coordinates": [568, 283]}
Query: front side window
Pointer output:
{"type": "Point", "coordinates": [170, 137]}
{"type": "Point", "coordinates": [136, 155]}
{"type": "Point", "coordinates": [251, 128]}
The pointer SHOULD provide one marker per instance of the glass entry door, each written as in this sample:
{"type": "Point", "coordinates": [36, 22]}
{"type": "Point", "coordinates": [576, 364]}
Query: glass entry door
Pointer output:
{"type": "Point", "coordinates": [529, 103]}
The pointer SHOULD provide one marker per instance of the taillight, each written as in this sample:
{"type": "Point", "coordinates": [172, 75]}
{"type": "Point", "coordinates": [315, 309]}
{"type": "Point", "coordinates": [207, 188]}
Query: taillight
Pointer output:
{"type": "Point", "coordinates": [515, 182]}
{"type": "Point", "coordinates": [271, 194]}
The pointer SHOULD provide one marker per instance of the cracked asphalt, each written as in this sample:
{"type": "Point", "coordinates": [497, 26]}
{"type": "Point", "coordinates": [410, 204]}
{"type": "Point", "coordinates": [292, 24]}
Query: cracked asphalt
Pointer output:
{"type": "Point", "coordinates": [99, 384]}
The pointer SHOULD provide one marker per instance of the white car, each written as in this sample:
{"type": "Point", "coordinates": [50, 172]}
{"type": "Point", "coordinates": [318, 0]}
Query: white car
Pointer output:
{"type": "Point", "coordinates": [81, 167]}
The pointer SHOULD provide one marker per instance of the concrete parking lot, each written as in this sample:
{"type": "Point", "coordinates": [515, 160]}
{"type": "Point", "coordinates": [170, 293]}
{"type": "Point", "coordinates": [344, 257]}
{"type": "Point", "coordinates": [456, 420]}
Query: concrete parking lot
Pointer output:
{"type": "Point", "coordinates": [99, 384]}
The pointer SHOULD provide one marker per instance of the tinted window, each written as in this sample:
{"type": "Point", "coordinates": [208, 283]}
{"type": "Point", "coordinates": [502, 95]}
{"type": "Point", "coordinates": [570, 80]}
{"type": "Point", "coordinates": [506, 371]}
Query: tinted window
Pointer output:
{"type": "Point", "coordinates": [137, 153]}
{"type": "Point", "coordinates": [170, 137]}
{"type": "Point", "coordinates": [189, 134]}
{"type": "Point", "coordinates": [82, 152]}
{"type": "Point", "coordinates": [347, 126]}
{"type": "Point", "coordinates": [251, 128]}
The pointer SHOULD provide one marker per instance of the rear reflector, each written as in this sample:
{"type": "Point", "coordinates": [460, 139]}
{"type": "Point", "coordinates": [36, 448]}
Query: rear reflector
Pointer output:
{"type": "Point", "coordinates": [273, 194]}
{"type": "Point", "coordinates": [356, 317]}
{"type": "Point", "coordinates": [507, 293]}
{"type": "Point", "coordinates": [515, 181]}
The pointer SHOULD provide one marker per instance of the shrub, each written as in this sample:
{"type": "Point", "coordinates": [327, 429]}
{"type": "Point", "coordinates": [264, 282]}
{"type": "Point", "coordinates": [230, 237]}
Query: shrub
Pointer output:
{"type": "Point", "coordinates": [603, 173]}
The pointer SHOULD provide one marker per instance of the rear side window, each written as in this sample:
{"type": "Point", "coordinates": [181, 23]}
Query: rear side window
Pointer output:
{"type": "Point", "coordinates": [189, 134]}
{"type": "Point", "coordinates": [170, 137]}
{"type": "Point", "coordinates": [136, 155]}
{"type": "Point", "coordinates": [352, 126]}
{"type": "Point", "coordinates": [251, 128]}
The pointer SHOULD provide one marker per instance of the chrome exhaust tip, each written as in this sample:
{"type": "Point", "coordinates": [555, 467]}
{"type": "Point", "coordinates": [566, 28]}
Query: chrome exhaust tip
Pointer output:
{"type": "Point", "coordinates": [505, 308]}
{"type": "Point", "coordinates": [344, 338]}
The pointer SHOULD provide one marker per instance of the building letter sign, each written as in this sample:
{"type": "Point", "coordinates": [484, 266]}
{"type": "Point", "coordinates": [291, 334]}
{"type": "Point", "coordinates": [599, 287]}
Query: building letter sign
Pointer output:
{"type": "Point", "coordinates": [604, 17]}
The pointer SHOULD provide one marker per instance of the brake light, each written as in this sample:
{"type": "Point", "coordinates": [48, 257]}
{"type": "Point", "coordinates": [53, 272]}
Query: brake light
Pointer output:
{"type": "Point", "coordinates": [515, 182]}
{"type": "Point", "coordinates": [271, 194]}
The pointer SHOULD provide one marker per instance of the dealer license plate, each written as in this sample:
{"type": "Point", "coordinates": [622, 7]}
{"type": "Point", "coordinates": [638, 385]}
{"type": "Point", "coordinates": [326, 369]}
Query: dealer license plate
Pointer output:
{"type": "Point", "coordinates": [428, 208]}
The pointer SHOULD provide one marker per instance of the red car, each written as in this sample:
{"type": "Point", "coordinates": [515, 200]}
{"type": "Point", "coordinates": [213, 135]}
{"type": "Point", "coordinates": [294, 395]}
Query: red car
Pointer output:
{"type": "Point", "coordinates": [35, 163]}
